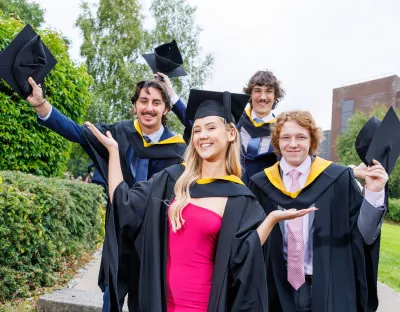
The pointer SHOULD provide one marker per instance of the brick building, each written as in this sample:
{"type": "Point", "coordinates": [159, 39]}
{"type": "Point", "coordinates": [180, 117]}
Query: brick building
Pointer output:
{"type": "Point", "coordinates": [325, 145]}
{"type": "Point", "coordinates": [361, 96]}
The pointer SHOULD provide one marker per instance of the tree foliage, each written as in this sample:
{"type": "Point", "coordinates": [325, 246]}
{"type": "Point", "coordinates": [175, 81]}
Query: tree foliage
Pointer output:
{"type": "Point", "coordinates": [114, 41]}
{"type": "Point", "coordinates": [24, 144]}
{"type": "Point", "coordinates": [28, 11]}
{"type": "Point", "coordinates": [175, 19]}
{"type": "Point", "coordinates": [113, 37]}
{"type": "Point", "coordinates": [346, 146]}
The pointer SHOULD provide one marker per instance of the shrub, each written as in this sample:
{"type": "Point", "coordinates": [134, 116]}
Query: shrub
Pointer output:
{"type": "Point", "coordinates": [394, 209]}
{"type": "Point", "coordinates": [44, 221]}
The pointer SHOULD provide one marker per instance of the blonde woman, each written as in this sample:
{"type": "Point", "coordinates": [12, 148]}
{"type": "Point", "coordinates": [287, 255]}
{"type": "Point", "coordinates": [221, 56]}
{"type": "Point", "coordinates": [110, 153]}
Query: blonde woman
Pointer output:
{"type": "Point", "coordinates": [198, 230]}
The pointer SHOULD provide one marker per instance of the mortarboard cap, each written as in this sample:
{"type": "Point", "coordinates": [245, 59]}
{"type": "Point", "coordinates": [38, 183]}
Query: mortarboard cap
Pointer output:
{"type": "Point", "coordinates": [385, 143]}
{"type": "Point", "coordinates": [365, 137]}
{"type": "Point", "coordinates": [202, 103]}
{"type": "Point", "coordinates": [26, 56]}
{"type": "Point", "coordinates": [166, 59]}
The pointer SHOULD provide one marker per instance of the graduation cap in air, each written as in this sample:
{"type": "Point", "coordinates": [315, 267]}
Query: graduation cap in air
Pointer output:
{"type": "Point", "coordinates": [380, 140]}
{"type": "Point", "coordinates": [26, 56]}
{"type": "Point", "coordinates": [166, 59]}
{"type": "Point", "coordinates": [202, 104]}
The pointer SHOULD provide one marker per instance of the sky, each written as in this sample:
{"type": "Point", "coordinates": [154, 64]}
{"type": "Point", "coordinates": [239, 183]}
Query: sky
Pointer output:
{"type": "Point", "coordinates": [312, 46]}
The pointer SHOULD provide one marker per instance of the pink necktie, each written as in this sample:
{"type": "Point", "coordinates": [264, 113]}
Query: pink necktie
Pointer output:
{"type": "Point", "coordinates": [295, 242]}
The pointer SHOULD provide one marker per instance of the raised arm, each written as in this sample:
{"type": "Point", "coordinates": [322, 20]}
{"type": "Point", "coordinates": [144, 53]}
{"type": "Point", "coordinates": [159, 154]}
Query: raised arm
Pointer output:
{"type": "Point", "coordinates": [373, 207]}
{"type": "Point", "coordinates": [53, 119]}
{"type": "Point", "coordinates": [178, 107]}
{"type": "Point", "coordinates": [115, 176]}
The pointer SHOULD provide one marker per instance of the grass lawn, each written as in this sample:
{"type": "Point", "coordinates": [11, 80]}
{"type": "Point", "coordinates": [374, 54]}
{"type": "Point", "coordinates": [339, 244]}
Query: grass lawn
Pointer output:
{"type": "Point", "coordinates": [389, 263]}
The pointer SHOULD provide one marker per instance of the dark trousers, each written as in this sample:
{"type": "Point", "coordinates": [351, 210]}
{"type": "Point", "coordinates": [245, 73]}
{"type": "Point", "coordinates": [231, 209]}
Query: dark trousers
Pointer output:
{"type": "Point", "coordinates": [302, 296]}
{"type": "Point", "coordinates": [106, 300]}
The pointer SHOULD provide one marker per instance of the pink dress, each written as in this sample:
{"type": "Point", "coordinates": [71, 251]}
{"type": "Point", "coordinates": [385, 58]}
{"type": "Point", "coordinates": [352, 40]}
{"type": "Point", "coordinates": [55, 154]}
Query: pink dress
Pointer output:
{"type": "Point", "coordinates": [190, 260]}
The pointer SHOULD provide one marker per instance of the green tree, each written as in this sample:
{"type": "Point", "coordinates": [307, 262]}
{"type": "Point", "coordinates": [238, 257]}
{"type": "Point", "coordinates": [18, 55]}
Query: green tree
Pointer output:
{"type": "Point", "coordinates": [28, 11]}
{"type": "Point", "coordinates": [114, 40]}
{"type": "Point", "coordinates": [175, 19]}
{"type": "Point", "coordinates": [24, 144]}
{"type": "Point", "coordinates": [346, 145]}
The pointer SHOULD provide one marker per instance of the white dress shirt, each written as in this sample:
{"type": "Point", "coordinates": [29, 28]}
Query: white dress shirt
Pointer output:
{"type": "Point", "coordinates": [155, 137]}
{"type": "Point", "coordinates": [265, 141]}
{"type": "Point", "coordinates": [374, 198]}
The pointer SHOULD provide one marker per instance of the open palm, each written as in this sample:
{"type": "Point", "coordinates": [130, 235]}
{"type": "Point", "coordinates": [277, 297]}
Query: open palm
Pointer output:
{"type": "Point", "coordinates": [281, 215]}
{"type": "Point", "coordinates": [107, 140]}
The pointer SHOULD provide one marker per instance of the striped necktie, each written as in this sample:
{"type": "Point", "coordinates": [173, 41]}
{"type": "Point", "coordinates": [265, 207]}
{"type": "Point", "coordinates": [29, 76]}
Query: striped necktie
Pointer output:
{"type": "Point", "coordinates": [295, 242]}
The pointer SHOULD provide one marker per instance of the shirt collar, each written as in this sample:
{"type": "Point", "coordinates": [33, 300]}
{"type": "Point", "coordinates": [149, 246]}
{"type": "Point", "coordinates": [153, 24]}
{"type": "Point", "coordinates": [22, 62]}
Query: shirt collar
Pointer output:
{"type": "Point", "coordinates": [156, 136]}
{"type": "Point", "coordinates": [304, 167]}
{"type": "Point", "coordinates": [264, 119]}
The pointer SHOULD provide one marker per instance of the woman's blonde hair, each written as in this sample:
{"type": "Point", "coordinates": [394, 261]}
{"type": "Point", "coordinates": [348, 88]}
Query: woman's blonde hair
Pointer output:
{"type": "Point", "coordinates": [192, 172]}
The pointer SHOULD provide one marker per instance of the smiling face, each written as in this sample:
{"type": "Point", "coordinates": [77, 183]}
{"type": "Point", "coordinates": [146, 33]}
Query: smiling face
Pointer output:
{"type": "Point", "coordinates": [150, 108]}
{"type": "Point", "coordinates": [294, 143]}
{"type": "Point", "coordinates": [211, 138]}
{"type": "Point", "coordinates": [262, 100]}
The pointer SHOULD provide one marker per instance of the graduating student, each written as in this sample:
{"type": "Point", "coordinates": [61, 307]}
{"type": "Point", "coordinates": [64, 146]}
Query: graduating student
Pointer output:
{"type": "Point", "coordinates": [326, 261]}
{"type": "Point", "coordinates": [198, 230]}
{"type": "Point", "coordinates": [254, 125]}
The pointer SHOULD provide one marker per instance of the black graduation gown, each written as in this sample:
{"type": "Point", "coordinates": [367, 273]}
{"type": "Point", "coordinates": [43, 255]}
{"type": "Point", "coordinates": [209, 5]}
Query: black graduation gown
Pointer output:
{"type": "Point", "coordinates": [238, 282]}
{"type": "Point", "coordinates": [128, 134]}
{"type": "Point", "coordinates": [344, 267]}
{"type": "Point", "coordinates": [253, 165]}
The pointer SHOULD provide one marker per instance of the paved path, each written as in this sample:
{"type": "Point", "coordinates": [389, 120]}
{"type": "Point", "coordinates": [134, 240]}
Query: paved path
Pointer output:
{"type": "Point", "coordinates": [87, 280]}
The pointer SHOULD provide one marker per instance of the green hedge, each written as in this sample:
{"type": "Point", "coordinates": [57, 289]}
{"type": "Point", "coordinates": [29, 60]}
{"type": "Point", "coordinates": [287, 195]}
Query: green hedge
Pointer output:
{"type": "Point", "coordinates": [394, 209]}
{"type": "Point", "coordinates": [24, 144]}
{"type": "Point", "coordinates": [43, 221]}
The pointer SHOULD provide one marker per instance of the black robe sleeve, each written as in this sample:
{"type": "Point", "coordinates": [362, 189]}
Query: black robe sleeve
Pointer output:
{"type": "Point", "coordinates": [96, 150]}
{"type": "Point", "coordinates": [247, 263]}
{"type": "Point", "coordinates": [126, 217]}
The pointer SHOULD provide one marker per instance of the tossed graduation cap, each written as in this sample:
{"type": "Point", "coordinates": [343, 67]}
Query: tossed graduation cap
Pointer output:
{"type": "Point", "coordinates": [203, 103]}
{"type": "Point", "coordinates": [365, 136]}
{"type": "Point", "coordinates": [380, 140]}
{"type": "Point", "coordinates": [166, 59]}
{"type": "Point", "coordinates": [26, 56]}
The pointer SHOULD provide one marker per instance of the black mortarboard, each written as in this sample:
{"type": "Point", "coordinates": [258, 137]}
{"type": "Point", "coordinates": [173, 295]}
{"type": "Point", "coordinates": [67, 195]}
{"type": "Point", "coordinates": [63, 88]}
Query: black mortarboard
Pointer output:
{"type": "Point", "coordinates": [26, 56]}
{"type": "Point", "coordinates": [365, 137]}
{"type": "Point", "coordinates": [384, 141]}
{"type": "Point", "coordinates": [166, 59]}
{"type": "Point", "coordinates": [202, 103]}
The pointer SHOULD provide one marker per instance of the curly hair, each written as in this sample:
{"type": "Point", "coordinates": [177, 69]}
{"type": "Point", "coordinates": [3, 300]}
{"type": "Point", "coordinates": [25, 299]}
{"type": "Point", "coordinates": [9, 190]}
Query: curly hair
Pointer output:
{"type": "Point", "coordinates": [303, 119]}
{"type": "Point", "coordinates": [265, 78]}
{"type": "Point", "coordinates": [146, 84]}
